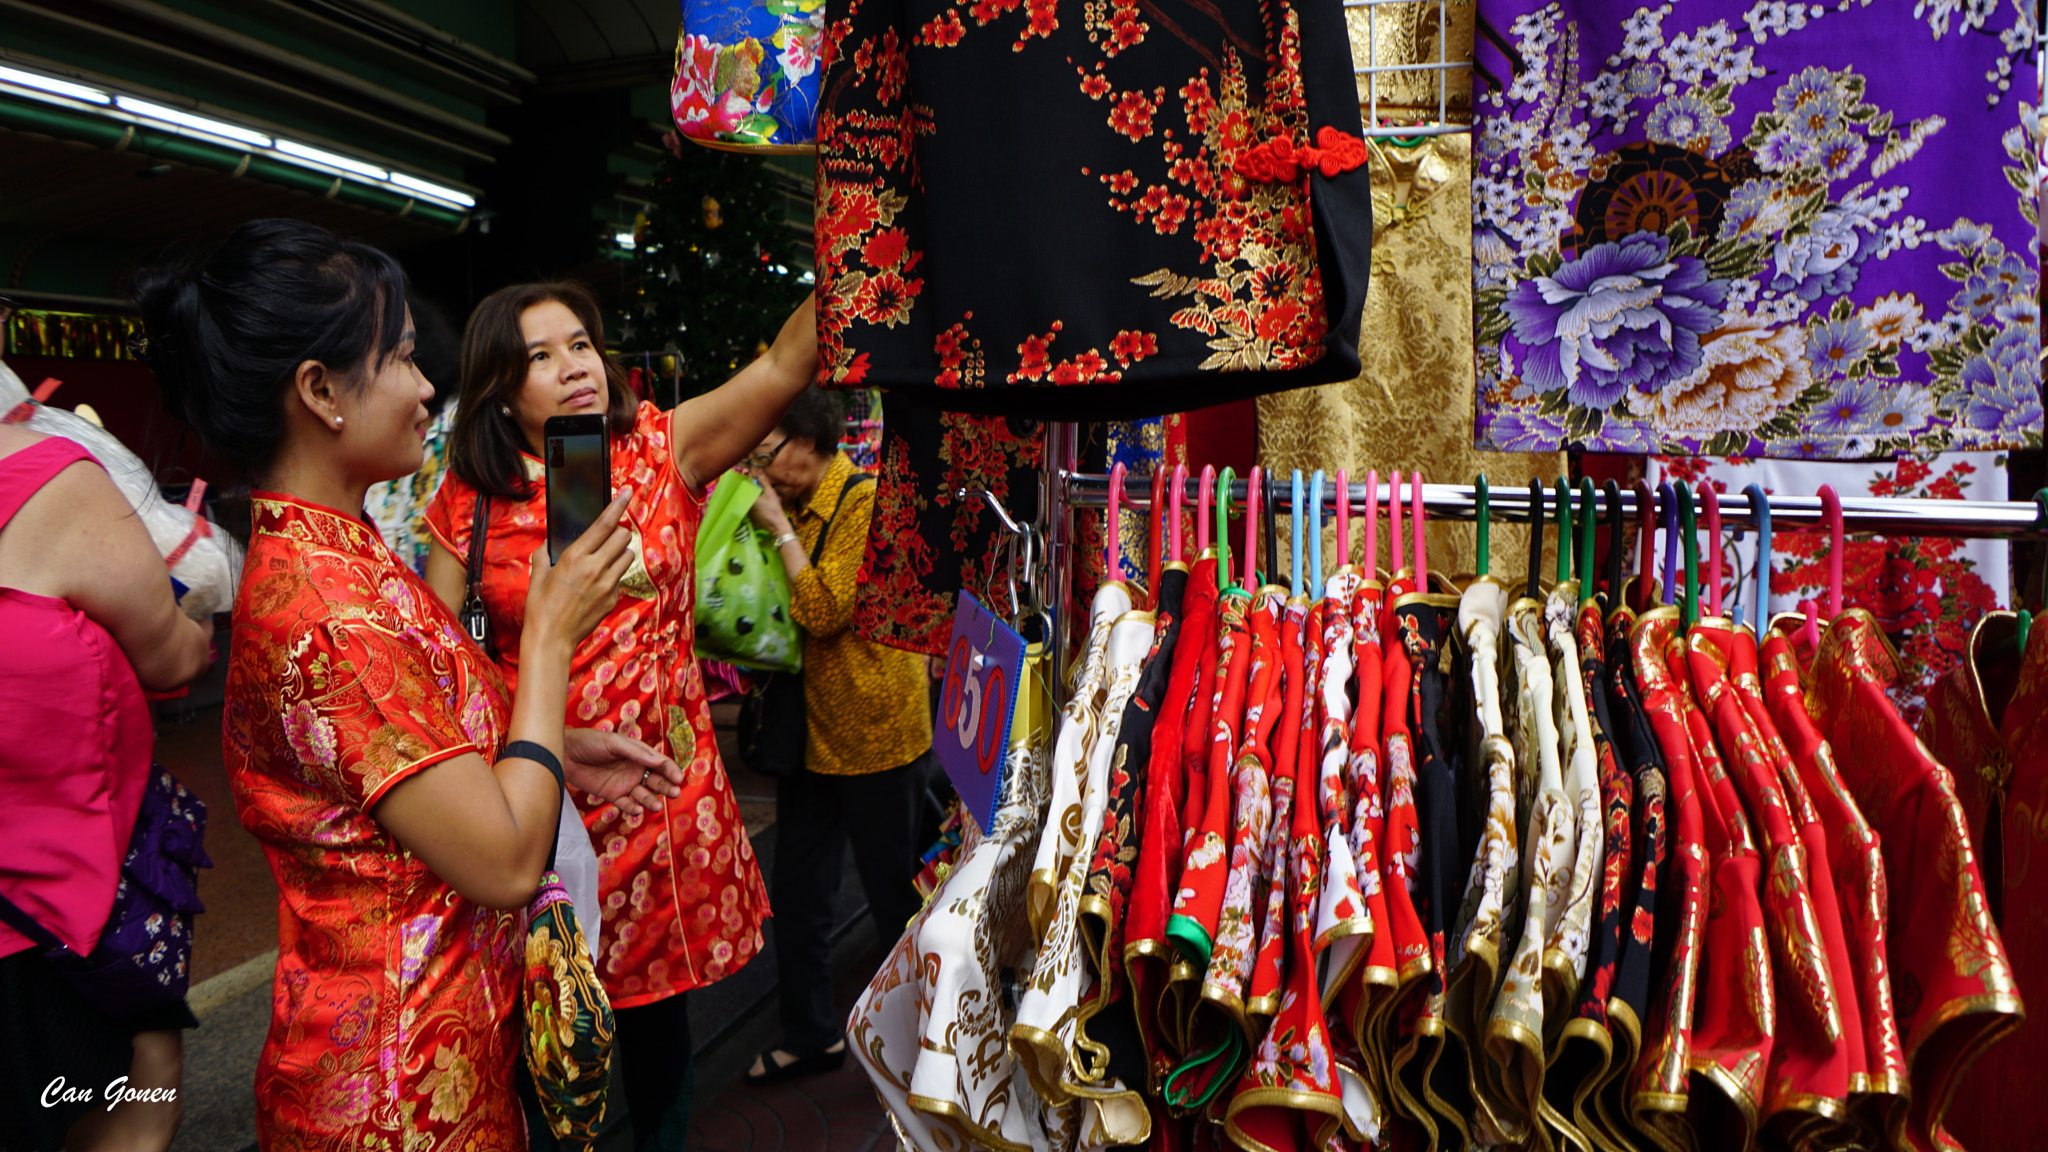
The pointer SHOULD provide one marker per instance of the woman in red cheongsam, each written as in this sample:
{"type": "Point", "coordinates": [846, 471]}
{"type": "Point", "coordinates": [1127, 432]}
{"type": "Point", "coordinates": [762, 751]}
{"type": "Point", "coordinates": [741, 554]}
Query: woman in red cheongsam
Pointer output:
{"type": "Point", "coordinates": [407, 802]}
{"type": "Point", "coordinates": [682, 894]}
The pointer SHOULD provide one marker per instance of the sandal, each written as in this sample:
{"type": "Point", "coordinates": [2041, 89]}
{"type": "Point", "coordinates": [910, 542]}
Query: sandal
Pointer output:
{"type": "Point", "coordinates": [775, 1071]}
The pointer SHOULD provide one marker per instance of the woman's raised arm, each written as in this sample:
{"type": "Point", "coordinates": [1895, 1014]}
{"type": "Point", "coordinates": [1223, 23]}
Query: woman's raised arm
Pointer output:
{"type": "Point", "coordinates": [713, 432]}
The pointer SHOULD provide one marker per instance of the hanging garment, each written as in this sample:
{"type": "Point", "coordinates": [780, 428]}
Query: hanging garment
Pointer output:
{"type": "Point", "coordinates": [1344, 927]}
{"type": "Point", "coordinates": [1205, 872]}
{"type": "Point", "coordinates": [1957, 993]}
{"type": "Point", "coordinates": [1660, 1086]}
{"type": "Point", "coordinates": [1651, 913]}
{"type": "Point", "coordinates": [1493, 887]}
{"type": "Point", "coordinates": [933, 1025]}
{"type": "Point", "coordinates": [1262, 994]}
{"type": "Point", "coordinates": [1107, 1030]}
{"type": "Point", "coordinates": [1927, 592]}
{"type": "Point", "coordinates": [1743, 672]}
{"type": "Point", "coordinates": [1737, 177]}
{"type": "Point", "coordinates": [1857, 860]}
{"type": "Point", "coordinates": [1080, 720]}
{"type": "Point", "coordinates": [1732, 1028]}
{"type": "Point", "coordinates": [1564, 953]}
{"type": "Point", "coordinates": [926, 542]}
{"type": "Point", "coordinates": [1221, 1026]}
{"type": "Point", "coordinates": [1089, 214]}
{"type": "Point", "coordinates": [1806, 1084]}
{"type": "Point", "coordinates": [1582, 1059]}
{"type": "Point", "coordinates": [1515, 1052]}
{"type": "Point", "coordinates": [1375, 975]}
{"type": "Point", "coordinates": [1988, 720]}
{"type": "Point", "coordinates": [1415, 342]}
{"type": "Point", "coordinates": [1046, 1037]}
{"type": "Point", "coordinates": [1289, 1097]}
{"type": "Point", "coordinates": [1147, 956]}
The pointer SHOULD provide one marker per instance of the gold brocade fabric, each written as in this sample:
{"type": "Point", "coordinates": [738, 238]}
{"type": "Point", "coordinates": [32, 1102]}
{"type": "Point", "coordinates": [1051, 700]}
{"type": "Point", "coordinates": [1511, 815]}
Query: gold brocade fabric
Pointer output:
{"type": "Point", "coordinates": [1408, 36]}
{"type": "Point", "coordinates": [1412, 407]}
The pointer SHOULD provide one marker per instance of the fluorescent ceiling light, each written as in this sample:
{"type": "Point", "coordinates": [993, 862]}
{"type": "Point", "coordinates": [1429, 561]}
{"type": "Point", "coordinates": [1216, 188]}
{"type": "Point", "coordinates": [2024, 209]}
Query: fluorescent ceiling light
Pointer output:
{"type": "Point", "coordinates": [318, 156]}
{"type": "Point", "coordinates": [53, 85]}
{"type": "Point", "coordinates": [623, 239]}
{"type": "Point", "coordinates": [188, 120]}
{"type": "Point", "coordinates": [438, 192]}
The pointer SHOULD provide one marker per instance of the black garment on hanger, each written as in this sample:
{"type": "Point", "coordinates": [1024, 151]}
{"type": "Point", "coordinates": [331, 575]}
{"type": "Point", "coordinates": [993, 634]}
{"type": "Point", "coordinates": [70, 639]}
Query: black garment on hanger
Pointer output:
{"type": "Point", "coordinates": [1089, 212]}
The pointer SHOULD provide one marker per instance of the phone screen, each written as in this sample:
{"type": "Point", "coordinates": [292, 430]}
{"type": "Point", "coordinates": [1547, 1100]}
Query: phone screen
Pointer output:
{"type": "Point", "coordinates": [578, 484]}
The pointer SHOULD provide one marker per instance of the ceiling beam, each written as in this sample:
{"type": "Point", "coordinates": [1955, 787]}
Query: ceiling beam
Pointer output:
{"type": "Point", "coordinates": [386, 46]}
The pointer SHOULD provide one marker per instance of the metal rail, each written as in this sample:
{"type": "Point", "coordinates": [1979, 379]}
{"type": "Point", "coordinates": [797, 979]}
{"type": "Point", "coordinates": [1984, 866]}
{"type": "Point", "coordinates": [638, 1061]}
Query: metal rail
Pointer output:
{"type": "Point", "coordinates": [1890, 516]}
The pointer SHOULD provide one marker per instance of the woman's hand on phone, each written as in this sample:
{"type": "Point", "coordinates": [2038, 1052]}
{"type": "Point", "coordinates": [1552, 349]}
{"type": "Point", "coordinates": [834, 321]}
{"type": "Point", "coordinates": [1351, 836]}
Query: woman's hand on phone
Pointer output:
{"type": "Point", "coordinates": [568, 598]}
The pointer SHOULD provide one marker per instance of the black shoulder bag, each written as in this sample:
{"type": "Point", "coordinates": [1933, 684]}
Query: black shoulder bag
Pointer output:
{"type": "Point", "coordinates": [475, 620]}
{"type": "Point", "coordinates": [773, 724]}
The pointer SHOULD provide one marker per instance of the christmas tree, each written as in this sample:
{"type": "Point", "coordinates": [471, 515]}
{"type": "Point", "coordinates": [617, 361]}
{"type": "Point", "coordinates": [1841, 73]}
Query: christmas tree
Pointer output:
{"type": "Point", "coordinates": [718, 269]}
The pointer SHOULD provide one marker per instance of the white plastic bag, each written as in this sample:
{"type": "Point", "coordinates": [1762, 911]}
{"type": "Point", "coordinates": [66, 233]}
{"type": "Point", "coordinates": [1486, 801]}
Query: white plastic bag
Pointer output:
{"type": "Point", "coordinates": [211, 563]}
{"type": "Point", "coordinates": [576, 864]}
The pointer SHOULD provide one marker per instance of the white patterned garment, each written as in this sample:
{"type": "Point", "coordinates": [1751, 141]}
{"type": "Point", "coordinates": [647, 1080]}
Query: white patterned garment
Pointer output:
{"type": "Point", "coordinates": [1078, 720]}
{"type": "Point", "coordinates": [1342, 926]}
{"type": "Point", "coordinates": [932, 1028]}
{"type": "Point", "coordinates": [1061, 982]}
{"type": "Point", "coordinates": [1564, 953]}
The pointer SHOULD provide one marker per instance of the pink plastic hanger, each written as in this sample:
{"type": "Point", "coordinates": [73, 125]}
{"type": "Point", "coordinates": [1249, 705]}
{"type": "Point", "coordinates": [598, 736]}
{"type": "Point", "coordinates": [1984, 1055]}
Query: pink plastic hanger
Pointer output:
{"type": "Point", "coordinates": [1416, 522]}
{"type": "Point", "coordinates": [1713, 503]}
{"type": "Point", "coordinates": [1394, 549]}
{"type": "Point", "coordinates": [1831, 511]}
{"type": "Point", "coordinates": [1156, 514]}
{"type": "Point", "coordinates": [1251, 527]}
{"type": "Point", "coordinates": [1202, 497]}
{"type": "Point", "coordinates": [1112, 527]}
{"type": "Point", "coordinates": [1343, 518]}
{"type": "Point", "coordinates": [1180, 482]}
{"type": "Point", "coordinates": [1371, 564]}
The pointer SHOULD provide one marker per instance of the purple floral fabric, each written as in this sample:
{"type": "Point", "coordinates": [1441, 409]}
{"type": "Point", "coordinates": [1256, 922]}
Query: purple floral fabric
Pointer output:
{"type": "Point", "coordinates": [1757, 227]}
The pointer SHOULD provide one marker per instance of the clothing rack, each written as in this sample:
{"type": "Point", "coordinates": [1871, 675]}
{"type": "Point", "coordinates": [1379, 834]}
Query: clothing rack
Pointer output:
{"type": "Point", "coordinates": [1438, 71]}
{"type": "Point", "coordinates": [1893, 516]}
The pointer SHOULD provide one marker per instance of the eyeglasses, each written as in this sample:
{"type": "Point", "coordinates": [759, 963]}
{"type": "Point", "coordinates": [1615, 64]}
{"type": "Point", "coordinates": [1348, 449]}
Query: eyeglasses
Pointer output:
{"type": "Point", "coordinates": [764, 459]}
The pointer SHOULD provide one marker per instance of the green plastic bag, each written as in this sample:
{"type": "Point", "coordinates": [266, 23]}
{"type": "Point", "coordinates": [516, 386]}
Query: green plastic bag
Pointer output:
{"type": "Point", "coordinates": [742, 589]}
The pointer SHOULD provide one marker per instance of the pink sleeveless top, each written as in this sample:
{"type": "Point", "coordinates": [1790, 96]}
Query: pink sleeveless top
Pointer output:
{"type": "Point", "coordinates": [68, 794]}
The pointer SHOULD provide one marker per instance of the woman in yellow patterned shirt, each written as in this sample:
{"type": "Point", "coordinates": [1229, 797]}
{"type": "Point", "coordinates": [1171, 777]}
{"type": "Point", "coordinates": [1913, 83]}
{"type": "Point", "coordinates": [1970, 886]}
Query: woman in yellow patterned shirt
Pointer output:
{"type": "Point", "coordinates": [867, 751]}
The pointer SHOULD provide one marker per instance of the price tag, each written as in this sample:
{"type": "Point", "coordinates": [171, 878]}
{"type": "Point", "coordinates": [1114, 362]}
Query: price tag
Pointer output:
{"type": "Point", "coordinates": [984, 664]}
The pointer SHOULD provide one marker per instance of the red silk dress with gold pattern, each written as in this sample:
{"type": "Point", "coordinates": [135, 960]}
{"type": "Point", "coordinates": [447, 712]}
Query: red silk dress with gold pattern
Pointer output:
{"type": "Point", "coordinates": [391, 1015]}
{"type": "Point", "coordinates": [683, 899]}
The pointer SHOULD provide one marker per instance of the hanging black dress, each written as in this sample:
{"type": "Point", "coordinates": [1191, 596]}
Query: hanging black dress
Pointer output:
{"type": "Point", "coordinates": [1089, 211]}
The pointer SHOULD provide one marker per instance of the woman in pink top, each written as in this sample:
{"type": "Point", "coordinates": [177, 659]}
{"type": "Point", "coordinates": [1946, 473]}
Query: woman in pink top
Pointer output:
{"type": "Point", "coordinates": [90, 621]}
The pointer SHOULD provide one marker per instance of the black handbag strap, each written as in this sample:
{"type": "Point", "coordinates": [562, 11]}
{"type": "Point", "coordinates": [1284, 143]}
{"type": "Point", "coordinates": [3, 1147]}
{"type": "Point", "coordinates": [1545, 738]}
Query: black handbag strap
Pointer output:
{"type": "Point", "coordinates": [479, 532]}
{"type": "Point", "coordinates": [852, 482]}
{"type": "Point", "coordinates": [28, 926]}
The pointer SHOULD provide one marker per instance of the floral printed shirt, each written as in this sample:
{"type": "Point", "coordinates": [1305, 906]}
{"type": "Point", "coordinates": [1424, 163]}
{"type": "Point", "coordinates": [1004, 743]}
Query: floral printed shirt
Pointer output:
{"type": "Point", "coordinates": [390, 1023]}
{"type": "Point", "coordinates": [1722, 228]}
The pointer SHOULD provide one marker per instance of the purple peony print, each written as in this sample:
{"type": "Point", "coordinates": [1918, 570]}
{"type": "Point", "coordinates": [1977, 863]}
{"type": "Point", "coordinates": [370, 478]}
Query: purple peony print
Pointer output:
{"type": "Point", "coordinates": [1623, 316]}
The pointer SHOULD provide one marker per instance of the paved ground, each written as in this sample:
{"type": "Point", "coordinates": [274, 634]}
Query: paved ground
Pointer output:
{"type": "Point", "coordinates": [235, 944]}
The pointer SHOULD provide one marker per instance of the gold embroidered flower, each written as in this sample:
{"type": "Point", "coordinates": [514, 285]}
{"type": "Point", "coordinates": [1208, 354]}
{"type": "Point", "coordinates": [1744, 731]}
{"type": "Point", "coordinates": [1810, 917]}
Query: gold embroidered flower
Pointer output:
{"type": "Point", "coordinates": [1747, 375]}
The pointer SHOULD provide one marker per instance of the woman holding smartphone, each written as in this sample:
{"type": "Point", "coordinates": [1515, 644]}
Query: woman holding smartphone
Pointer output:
{"type": "Point", "coordinates": [682, 894]}
{"type": "Point", "coordinates": [405, 799]}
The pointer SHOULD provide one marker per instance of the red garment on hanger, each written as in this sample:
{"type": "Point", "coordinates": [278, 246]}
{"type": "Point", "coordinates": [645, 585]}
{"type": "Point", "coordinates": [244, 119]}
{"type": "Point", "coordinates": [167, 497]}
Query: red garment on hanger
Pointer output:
{"type": "Point", "coordinates": [1957, 993]}
{"type": "Point", "coordinates": [2001, 774]}
{"type": "Point", "coordinates": [1807, 1079]}
{"type": "Point", "coordinates": [1148, 958]}
{"type": "Point", "coordinates": [1660, 1088]}
{"type": "Point", "coordinates": [1374, 978]}
{"type": "Point", "coordinates": [1857, 861]}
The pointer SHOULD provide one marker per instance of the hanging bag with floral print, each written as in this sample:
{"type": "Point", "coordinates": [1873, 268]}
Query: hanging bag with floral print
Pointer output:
{"type": "Point", "coordinates": [747, 74]}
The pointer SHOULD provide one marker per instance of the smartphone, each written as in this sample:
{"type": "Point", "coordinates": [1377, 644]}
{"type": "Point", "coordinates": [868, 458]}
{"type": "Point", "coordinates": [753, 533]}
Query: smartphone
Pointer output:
{"type": "Point", "coordinates": [579, 477]}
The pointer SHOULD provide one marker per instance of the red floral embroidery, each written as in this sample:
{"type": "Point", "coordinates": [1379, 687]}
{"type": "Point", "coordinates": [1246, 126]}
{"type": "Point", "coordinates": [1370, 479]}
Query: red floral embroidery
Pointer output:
{"type": "Point", "coordinates": [943, 30]}
{"type": "Point", "coordinates": [1132, 115]}
{"type": "Point", "coordinates": [1094, 85]}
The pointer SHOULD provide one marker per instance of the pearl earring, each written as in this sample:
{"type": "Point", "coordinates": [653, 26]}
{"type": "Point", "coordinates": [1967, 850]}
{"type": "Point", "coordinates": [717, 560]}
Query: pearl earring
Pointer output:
{"type": "Point", "coordinates": [337, 421]}
{"type": "Point", "coordinates": [505, 410]}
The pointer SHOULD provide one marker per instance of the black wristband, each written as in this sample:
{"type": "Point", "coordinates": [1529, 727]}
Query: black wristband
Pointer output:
{"type": "Point", "coordinates": [539, 754]}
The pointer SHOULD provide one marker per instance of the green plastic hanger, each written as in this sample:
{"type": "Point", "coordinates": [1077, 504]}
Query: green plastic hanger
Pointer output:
{"type": "Point", "coordinates": [1224, 480]}
{"type": "Point", "coordinates": [1485, 527]}
{"type": "Point", "coordinates": [1564, 530]}
{"type": "Point", "coordinates": [1582, 557]}
{"type": "Point", "coordinates": [1689, 607]}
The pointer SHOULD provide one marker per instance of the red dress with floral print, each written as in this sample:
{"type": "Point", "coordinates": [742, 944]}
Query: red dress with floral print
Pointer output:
{"type": "Point", "coordinates": [391, 1014]}
{"type": "Point", "coordinates": [683, 899]}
